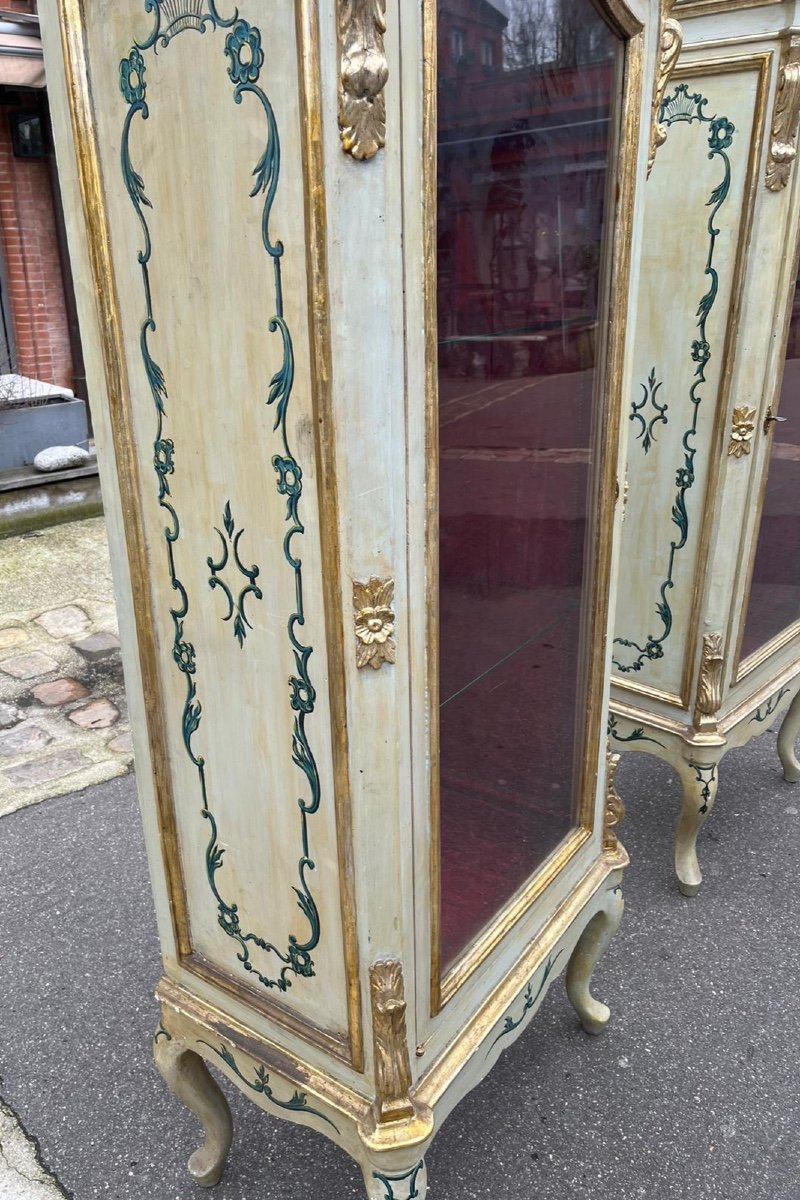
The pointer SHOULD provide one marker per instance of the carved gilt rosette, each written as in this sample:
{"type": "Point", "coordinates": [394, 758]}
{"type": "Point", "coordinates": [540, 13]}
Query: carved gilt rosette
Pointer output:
{"type": "Point", "coordinates": [614, 812]}
{"type": "Point", "coordinates": [743, 427]}
{"type": "Point", "coordinates": [709, 686]}
{"type": "Point", "coordinates": [670, 41]}
{"type": "Point", "coordinates": [783, 136]}
{"type": "Point", "coordinates": [363, 71]}
{"type": "Point", "coordinates": [374, 622]}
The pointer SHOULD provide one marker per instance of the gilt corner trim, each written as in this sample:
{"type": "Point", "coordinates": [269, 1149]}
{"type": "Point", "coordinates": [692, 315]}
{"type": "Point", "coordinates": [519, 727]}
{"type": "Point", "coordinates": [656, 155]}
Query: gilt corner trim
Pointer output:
{"type": "Point", "coordinates": [709, 685]}
{"type": "Point", "coordinates": [390, 1042]}
{"type": "Point", "coordinates": [783, 136]}
{"type": "Point", "coordinates": [363, 71]}
{"type": "Point", "coordinates": [670, 41]}
{"type": "Point", "coordinates": [614, 811]}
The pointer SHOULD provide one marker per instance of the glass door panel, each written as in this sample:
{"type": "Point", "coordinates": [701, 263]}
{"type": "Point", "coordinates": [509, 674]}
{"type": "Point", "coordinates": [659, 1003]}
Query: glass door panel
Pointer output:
{"type": "Point", "coordinates": [774, 601]}
{"type": "Point", "coordinates": [526, 97]}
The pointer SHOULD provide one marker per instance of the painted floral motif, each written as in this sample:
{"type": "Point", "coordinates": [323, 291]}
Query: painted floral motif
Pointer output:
{"type": "Point", "coordinates": [721, 133]}
{"type": "Point", "coordinates": [289, 475]}
{"type": "Point", "coordinates": [684, 477]}
{"type": "Point", "coordinates": [374, 622]}
{"type": "Point", "coordinates": [701, 352]}
{"type": "Point", "coordinates": [303, 695]}
{"type": "Point", "coordinates": [164, 456]}
{"type": "Point", "coordinates": [183, 653]}
{"type": "Point", "coordinates": [131, 77]}
{"type": "Point", "coordinates": [243, 47]}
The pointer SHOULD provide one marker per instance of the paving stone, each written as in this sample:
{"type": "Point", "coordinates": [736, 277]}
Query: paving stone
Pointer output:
{"type": "Point", "coordinates": [23, 740]}
{"type": "Point", "coordinates": [43, 770]}
{"type": "Point", "coordinates": [12, 635]}
{"type": "Point", "coordinates": [9, 715]}
{"type": "Point", "coordinates": [122, 744]}
{"type": "Point", "coordinates": [59, 691]}
{"type": "Point", "coordinates": [63, 622]}
{"type": "Point", "coordinates": [27, 666]}
{"type": "Point", "coordinates": [97, 646]}
{"type": "Point", "coordinates": [98, 714]}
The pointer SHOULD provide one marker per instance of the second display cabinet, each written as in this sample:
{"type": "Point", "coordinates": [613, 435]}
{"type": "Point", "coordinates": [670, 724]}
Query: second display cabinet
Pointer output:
{"type": "Point", "coordinates": [706, 650]}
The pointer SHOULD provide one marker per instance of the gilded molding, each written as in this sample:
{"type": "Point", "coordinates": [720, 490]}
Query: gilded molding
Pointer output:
{"type": "Point", "coordinates": [783, 136]}
{"type": "Point", "coordinates": [614, 811]}
{"type": "Point", "coordinates": [374, 622]}
{"type": "Point", "coordinates": [743, 427]}
{"type": "Point", "coordinates": [670, 41]}
{"type": "Point", "coordinates": [390, 1042]}
{"type": "Point", "coordinates": [363, 71]}
{"type": "Point", "coordinates": [709, 686]}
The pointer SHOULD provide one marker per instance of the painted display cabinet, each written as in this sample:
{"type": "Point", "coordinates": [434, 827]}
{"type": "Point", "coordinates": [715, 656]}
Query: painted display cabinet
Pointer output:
{"type": "Point", "coordinates": [706, 650]}
{"type": "Point", "coordinates": [358, 405]}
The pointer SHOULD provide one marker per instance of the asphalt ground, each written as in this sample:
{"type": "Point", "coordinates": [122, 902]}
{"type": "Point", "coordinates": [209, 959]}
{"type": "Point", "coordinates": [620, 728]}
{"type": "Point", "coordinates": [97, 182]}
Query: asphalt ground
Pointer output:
{"type": "Point", "coordinates": [691, 1093]}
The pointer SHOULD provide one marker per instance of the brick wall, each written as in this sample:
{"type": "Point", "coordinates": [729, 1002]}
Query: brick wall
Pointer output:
{"type": "Point", "coordinates": [35, 286]}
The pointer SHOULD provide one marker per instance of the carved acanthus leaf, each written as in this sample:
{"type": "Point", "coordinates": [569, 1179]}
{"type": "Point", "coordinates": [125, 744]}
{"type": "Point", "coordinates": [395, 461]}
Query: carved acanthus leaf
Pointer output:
{"type": "Point", "coordinates": [390, 1042]}
{"type": "Point", "coordinates": [363, 71]}
{"type": "Point", "coordinates": [614, 811]}
{"type": "Point", "coordinates": [709, 687]}
{"type": "Point", "coordinates": [670, 41]}
{"type": "Point", "coordinates": [783, 138]}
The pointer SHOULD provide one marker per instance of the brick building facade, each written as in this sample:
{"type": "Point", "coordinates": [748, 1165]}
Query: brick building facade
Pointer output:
{"type": "Point", "coordinates": [38, 333]}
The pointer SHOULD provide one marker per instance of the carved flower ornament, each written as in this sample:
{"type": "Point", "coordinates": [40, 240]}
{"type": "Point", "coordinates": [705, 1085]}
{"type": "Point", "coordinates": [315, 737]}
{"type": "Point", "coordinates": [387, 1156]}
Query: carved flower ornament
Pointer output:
{"type": "Point", "coordinates": [374, 622]}
{"type": "Point", "coordinates": [742, 430]}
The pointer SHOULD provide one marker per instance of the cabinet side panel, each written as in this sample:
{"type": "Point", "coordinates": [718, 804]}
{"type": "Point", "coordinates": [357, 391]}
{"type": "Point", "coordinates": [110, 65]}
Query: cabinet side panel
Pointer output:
{"type": "Point", "coordinates": [697, 223]}
{"type": "Point", "coordinates": [200, 141]}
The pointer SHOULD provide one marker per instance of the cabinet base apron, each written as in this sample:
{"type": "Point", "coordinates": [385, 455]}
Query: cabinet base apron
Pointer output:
{"type": "Point", "coordinates": [193, 1035]}
{"type": "Point", "coordinates": [695, 756]}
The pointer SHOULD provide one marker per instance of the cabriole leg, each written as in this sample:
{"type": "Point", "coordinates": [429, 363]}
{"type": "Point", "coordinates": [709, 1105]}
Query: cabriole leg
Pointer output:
{"type": "Point", "coordinates": [699, 782]}
{"type": "Point", "coordinates": [788, 735]}
{"type": "Point", "coordinates": [592, 943]}
{"type": "Point", "coordinates": [395, 1184]}
{"type": "Point", "coordinates": [187, 1076]}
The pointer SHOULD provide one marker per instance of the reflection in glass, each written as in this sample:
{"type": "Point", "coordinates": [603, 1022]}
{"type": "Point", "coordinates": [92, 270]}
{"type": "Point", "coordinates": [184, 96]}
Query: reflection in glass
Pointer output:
{"type": "Point", "coordinates": [775, 590]}
{"type": "Point", "coordinates": [525, 93]}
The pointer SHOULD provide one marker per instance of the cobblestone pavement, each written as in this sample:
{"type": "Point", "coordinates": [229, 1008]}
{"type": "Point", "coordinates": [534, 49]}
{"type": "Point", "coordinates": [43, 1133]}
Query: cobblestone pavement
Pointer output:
{"type": "Point", "coordinates": [63, 717]}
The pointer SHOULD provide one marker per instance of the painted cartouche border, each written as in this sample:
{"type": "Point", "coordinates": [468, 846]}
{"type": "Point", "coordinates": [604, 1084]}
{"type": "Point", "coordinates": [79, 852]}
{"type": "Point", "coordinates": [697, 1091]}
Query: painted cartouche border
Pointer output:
{"type": "Point", "coordinates": [246, 57]}
{"type": "Point", "coordinates": [683, 107]}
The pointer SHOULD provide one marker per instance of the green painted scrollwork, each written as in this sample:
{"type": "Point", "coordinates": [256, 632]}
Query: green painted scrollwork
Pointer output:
{"type": "Point", "coordinates": [705, 774]}
{"type": "Point", "coordinates": [160, 1033]}
{"type": "Point", "coordinates": [408, 1178]}
{"type": "Point", "coordinates": [770, 707]}
{"type": "Point", "coordinates": [245, 59]}
{"type": "Point", "coordinates": [683, 107]}
{"type": "Point", "coordinates": [297, 1102]}
{"type": "Point", "coordinates": [649, 392]}
{"type": "Point", "coordinates": [530, 998]}
{"type": "Point", "coordinates": [230, 546]}
{"type": "Point", "coordinates": [635, 735]}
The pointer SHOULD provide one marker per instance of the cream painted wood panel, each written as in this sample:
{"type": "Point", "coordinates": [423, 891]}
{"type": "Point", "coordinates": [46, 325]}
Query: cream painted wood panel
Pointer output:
{"type": "Point", "coordinates": [258, 310]}
{"type": "Point", "coordinates": [697, 219]}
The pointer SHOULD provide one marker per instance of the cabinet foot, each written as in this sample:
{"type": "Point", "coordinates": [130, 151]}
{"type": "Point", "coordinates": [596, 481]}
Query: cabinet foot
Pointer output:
{"type": "Point", "coordinates": [385, 1184]}
{"type": "Point", "coordinates": [699, 782]}
{"type": "Point", "coordinates": [592, 943]}
{"type": "Point", "coordinates": [188, 1077]}
{"type": "Point", "coordinates": [787, 737]}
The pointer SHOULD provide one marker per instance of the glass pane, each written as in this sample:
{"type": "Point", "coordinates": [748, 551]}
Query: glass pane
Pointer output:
{"type": "Point", "coordinates": [526, 91]}
{"type": "Point", "coordinates": [775, 591]}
